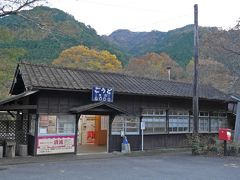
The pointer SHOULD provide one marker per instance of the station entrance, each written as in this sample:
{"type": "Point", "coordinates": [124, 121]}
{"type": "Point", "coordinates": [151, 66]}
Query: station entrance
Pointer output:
{"type": "Point", "coordinates": [93, 134]}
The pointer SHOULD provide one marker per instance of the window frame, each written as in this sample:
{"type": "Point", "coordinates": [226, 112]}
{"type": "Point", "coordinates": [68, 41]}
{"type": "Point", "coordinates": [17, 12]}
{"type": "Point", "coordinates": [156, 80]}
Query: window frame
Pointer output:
{"type": "Point", "coordinates": [161, 115]}
{"type": "Point", "coordinates": [204, 117]}
{"type": "Point", "coordinates": [219, 116]}
{"type": "Point", "coordinates": [124, 126]}
{"type": "Point", "coordinates": [57, 125]}
{"type": "Point", "coordinates": [180, 114]}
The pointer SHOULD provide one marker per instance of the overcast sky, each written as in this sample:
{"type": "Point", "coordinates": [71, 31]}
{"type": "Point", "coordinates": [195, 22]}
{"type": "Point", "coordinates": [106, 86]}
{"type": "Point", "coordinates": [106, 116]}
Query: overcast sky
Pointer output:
{"type": "Point", "coordinates": [105, 16]}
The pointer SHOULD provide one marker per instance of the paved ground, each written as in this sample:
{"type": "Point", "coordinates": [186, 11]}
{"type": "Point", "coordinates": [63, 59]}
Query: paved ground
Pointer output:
{"type": "Point", "coordinates": [162, 166]}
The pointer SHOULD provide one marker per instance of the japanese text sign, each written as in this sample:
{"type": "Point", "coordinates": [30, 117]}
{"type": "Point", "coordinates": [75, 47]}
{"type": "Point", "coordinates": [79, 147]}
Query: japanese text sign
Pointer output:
{"type": "Point", "coordinates": [102, 94]}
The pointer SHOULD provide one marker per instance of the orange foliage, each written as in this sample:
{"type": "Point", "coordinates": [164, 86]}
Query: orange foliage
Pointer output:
{"type": "Point", "coordinates": [85, 58]}
{"type": "Point", "coordinates": [154, 65]}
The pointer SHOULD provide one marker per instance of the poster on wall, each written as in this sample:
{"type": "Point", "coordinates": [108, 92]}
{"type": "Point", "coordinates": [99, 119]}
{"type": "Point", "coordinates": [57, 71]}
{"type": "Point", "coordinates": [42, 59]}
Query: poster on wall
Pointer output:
{"type": "Point", "coordinates": [48, 124]}
{"type": "Point", "coordinates": [52, 128]}
{"type": "Point", "coordinates": [43, 120]}
{"type": "Point", "coordinates": [55, 144]}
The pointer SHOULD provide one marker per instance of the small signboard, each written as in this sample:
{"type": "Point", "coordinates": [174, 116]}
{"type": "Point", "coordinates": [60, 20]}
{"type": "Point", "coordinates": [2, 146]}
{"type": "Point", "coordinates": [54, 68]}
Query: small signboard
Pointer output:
{"type": "Point", "coordinates": [102, 94]}
{"type": "Point", "coordinates": [55, 144]}
{"type": "Point", "coordinates": [143, 126]}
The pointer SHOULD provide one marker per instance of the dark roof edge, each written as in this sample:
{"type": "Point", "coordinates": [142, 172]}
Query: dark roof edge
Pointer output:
{"type": "Point", "coordinates": [16, 97]}
{"type": "Point", "coordinates": [235, 98]}
{"type": "Point", "coordinates": [14, 78]}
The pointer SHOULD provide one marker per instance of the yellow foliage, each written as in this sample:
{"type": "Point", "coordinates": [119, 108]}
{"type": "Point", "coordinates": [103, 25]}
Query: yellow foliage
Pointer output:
{"type": "Point", "coordinates": [85, 58]}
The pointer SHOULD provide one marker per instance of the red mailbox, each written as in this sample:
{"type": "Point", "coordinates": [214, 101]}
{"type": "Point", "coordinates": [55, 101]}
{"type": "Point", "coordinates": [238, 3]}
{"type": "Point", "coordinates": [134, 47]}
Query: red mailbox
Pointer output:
{"type": "Point", "coordinates": [224, 134]}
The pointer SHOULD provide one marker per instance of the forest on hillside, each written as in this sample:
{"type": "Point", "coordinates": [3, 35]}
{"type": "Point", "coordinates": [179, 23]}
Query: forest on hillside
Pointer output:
{"type": "Point", "coordinates": [55, 37]}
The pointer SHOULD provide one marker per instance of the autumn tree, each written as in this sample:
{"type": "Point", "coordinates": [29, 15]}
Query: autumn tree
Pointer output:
{"type": "Point", "coordinates": [224, 46]}
{"type": "Point", "coordinates": [212, 73]}
{"type": "Point", "coordinates": [85, 58]}
{"type": "Point", "coordinates": [154, 65]}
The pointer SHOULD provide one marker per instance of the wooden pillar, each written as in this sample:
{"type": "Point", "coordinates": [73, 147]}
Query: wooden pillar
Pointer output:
{"type": "Point", "coordinates": [111, 118]}
{"type": "Point", "coordinates": [76, 133]}
{"type": "Point", "coordinates": [36, 135]}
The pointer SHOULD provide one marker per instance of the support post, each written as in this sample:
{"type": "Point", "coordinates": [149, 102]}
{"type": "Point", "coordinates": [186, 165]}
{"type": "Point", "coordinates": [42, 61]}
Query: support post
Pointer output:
{"type": "Point", "coordinates": [111, 118]}
{"type": "Point", "coordinates": [195, 79]}
{"type": "Point", "coordinates": [195, 136]}
{"type": "Point", "coordinates": [225, 148]}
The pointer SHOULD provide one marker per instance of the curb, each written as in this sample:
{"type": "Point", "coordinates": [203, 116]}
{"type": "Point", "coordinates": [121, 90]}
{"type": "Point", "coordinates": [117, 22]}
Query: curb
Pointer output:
{"type": "Point", "coordinates": [73, 157]}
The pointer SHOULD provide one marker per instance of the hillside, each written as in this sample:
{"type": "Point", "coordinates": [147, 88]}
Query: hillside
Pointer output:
{"type": "Point", "coordinates": [177, 43]}
{"type": "Point", "coordinates": [215, 44]}
{"type": "Point", "coordinates": [42, 34]}
{"type": "Point", "coordinates": [45, 32]}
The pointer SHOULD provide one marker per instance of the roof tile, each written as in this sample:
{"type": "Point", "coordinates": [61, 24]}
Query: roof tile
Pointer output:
{"type": "Point", "coordinates": [46, 76]}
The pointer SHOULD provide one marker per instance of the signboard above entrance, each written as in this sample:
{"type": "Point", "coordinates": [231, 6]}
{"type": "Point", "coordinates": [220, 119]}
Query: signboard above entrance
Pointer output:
{"type": "Point", "coordinates": [102, 94]}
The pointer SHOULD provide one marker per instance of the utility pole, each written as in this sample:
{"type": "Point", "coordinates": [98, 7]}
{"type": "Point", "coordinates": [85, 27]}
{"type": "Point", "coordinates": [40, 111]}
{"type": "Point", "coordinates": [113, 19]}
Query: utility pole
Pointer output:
{"type": "Point", "coordinates": [195, 78]}
{"type": "Point", "coordinates": [195, 136]}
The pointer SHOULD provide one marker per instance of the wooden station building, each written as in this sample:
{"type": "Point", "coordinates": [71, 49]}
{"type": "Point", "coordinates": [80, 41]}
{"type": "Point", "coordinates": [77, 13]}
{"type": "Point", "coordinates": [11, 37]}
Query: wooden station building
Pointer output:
{"type": "Point", "coordinates": [54, 110]}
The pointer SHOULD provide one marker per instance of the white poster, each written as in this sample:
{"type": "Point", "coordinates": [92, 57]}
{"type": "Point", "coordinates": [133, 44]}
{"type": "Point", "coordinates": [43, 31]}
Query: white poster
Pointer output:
{"type": "Point", "coordinates": [55, 144]}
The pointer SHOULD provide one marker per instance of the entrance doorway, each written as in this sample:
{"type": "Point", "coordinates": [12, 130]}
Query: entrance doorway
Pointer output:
{"type": "Point", "coordinates": [92, 134]}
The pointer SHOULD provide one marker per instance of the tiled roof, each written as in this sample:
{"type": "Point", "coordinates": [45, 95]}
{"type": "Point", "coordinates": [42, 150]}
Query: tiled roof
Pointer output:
{"type": "Point", "coordinates": [36, 76]}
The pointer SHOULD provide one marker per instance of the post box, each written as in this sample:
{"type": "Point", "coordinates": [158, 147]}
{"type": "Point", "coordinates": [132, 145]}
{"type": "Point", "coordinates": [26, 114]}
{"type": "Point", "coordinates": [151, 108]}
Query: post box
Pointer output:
{"type": "Point", "coordinates": [224, 134]}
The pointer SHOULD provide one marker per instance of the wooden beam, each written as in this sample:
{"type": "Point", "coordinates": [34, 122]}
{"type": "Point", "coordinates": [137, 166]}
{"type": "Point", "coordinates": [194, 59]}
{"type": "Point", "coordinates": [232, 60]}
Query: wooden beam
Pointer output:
{"type": "Point", "coordinates": [17, 107]}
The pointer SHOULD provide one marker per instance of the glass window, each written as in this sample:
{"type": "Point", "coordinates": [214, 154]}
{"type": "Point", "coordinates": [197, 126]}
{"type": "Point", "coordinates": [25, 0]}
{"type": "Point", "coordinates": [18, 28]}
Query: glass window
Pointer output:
{"type": "Point", "coordinates": [66, 124]}
{"type": "Point", "coordinates": [203, 121]}
{"type": "Point", "coordinates": [128, 124]}
{"type": "Point", "coordinates": [52, 124]}
{"type": "Point", "coordinates": [118, 125]}
{"type": "Point", "coordinates": [155, 121]}
{"type": "Point", "coordinates": [214, 124]}
{"type": "Point", "coordinates": [218, 120]}
{"type": "Point", "coordinates": [178, 121]}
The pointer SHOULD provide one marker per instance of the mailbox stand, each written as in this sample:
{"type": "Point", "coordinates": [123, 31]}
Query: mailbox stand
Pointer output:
{"type": "Point", "coordinates": [225, 135]}
{"type": "Point", "coordinates": [225, 148]}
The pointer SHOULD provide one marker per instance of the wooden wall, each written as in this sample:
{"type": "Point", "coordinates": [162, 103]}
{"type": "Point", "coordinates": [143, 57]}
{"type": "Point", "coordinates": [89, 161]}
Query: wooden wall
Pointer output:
{"type": "Point", "coordinates": [61, 102]}
{"type": "Point", "coordinates": [58, 102]}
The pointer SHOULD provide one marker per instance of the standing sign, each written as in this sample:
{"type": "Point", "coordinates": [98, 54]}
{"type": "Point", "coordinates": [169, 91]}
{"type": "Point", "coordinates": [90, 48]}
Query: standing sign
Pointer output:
{"type": "Point", "coordinates": [102, 94]}
{"type": "Point", "coordinates": [142, 128]}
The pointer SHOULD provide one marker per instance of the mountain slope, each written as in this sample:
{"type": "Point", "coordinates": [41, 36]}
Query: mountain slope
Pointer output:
{"type": "Point", "coordinates": [44, 32]}
{"type": "Point", "coordinates": [177, 43]}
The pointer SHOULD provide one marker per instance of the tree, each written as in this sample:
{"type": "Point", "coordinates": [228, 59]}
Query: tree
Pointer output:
{"type": "Point", "coordinates": [213, 73]}
{"type": "Point", "coordinates": [223, 46]}
{"type": "Point", "coordinates": [8, 7]}
{"type": "Point", "coordinates": [85, 58]}
{"type": "Point", "coordinates": [154, 65]}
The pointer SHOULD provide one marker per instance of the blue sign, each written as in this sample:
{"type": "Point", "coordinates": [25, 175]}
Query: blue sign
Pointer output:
{"type": "Point", "coordinates": [102, 94]}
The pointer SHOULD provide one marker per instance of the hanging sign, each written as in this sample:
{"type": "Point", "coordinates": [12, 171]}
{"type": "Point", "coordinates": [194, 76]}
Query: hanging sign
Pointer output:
{"type": "Point", "coordinates": [102, 94]}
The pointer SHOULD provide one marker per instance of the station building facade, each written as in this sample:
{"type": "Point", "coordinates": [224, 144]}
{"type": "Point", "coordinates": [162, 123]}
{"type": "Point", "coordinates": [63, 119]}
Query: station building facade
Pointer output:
{"type": "Point", "coordinates": [52, 110]}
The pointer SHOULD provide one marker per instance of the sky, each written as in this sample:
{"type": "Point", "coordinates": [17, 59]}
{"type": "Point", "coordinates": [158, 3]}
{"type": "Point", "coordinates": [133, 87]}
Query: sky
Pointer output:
{"type": "Point", "coordinates": [106, 16]}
